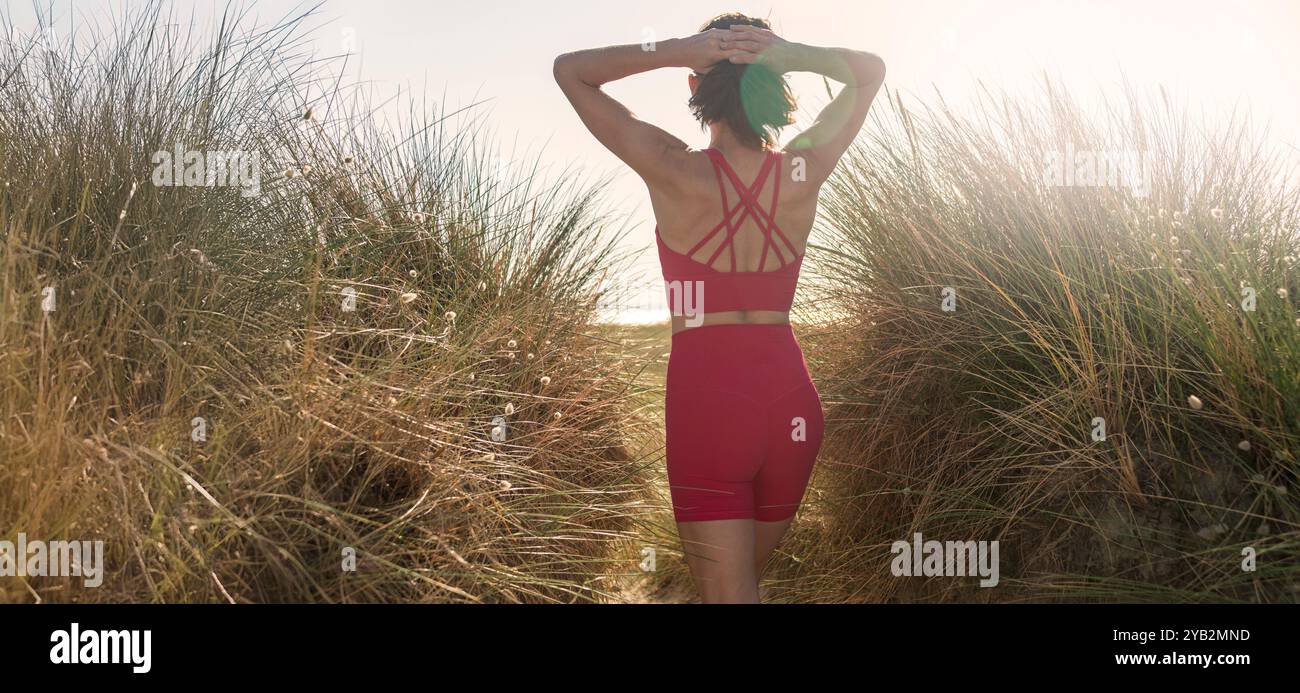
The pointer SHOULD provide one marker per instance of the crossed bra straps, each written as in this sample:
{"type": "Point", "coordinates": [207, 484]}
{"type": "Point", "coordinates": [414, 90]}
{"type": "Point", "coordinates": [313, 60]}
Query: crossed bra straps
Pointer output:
{"type": "Point", "coordinates": [713, 290]}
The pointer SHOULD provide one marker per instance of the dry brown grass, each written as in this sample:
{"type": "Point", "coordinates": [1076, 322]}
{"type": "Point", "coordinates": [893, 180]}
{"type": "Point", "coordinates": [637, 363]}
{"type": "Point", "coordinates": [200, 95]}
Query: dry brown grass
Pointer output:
{"type": "Point", "coordinates": [326, 429]}
{"type": "Point", "coordinates": [1072, 303]}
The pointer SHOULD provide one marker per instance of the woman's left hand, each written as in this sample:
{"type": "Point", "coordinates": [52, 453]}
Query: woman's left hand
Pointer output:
{"type": "Point", "coordinates": [763, 47]}
{"type": "Point", "coordinates": [702, 51]}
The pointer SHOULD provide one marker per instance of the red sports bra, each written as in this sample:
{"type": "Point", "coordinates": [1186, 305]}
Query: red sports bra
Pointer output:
{"type": "Point", "coordinates": [693, 286]}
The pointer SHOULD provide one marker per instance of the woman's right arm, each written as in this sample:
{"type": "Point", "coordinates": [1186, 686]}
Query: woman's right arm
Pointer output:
{"type": "Point", "coordinates": [861, 73]}
{"type": "Point", "coordinates": [644, 147]}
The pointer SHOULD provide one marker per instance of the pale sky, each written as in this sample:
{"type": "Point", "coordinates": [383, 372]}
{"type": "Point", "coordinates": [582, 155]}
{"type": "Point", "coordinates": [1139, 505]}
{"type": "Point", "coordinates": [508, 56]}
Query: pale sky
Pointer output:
{"type": "Point", "coordinates": [1212, 55]}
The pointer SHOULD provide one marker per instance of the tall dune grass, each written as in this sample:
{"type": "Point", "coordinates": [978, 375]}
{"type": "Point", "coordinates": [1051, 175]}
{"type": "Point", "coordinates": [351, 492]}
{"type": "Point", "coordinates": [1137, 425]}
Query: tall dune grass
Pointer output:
{"type": "Point", "coordinates": [1073, 303]}
{"type": "Point", "coordinates": [236, 393]}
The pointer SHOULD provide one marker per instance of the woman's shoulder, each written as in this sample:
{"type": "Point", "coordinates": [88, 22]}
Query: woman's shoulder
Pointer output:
{"type": "Point", "coordinates": [683, 171]}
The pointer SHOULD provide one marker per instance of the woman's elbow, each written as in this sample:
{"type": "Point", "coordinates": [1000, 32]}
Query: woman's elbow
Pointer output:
{"type": "Point", "coordinates": [871, 68]}
{"type": "Point", "coordinates": [562, 67]}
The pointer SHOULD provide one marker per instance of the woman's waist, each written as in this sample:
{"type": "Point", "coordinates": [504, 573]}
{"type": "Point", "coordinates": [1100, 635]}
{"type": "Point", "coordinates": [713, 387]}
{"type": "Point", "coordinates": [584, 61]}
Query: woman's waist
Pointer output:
{"type": "Point", "coordinates": [738, 328]}
{"type": "Point", "coordinates": [755, 317]}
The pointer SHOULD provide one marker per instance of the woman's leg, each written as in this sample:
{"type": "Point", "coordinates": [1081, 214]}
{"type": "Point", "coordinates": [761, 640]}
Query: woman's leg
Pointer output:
{"type": "Point", "coordinates": [767, 536]}
{"type": "Point", "coordinates": [714, 410]}
{"type": "Point", "coordinates": [796, 426]}
{"type": "Point", "coordinates": [720, 554]}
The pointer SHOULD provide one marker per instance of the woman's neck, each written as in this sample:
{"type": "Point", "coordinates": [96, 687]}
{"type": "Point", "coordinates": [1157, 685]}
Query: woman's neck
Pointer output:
{"type": "Point", "coordinates": [722, 139]}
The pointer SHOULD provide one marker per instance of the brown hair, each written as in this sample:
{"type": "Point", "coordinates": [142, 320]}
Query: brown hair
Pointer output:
{"type": "Point", "coordinates": [752, 100]}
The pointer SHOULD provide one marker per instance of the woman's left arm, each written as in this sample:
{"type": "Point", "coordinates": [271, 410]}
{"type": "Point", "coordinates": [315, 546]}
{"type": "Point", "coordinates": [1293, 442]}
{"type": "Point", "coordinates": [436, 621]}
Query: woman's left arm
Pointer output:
{"type": "Point", "coordinates": [639, 144]}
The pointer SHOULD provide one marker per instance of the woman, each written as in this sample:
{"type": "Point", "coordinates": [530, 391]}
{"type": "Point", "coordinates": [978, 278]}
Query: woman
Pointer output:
{"type": "Point", "coordinates": [743, 419]}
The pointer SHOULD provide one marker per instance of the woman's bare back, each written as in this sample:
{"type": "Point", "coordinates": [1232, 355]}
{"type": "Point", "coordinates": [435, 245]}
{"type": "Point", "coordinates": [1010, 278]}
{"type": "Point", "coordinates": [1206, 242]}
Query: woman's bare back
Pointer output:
{"type": "Point", "coordinates": [686, 216]}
